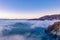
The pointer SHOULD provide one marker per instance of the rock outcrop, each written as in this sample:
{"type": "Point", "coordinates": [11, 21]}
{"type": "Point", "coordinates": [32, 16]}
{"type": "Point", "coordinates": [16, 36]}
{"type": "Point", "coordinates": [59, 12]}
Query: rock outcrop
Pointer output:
{"type": "Point", "coordinates": [54, 29]}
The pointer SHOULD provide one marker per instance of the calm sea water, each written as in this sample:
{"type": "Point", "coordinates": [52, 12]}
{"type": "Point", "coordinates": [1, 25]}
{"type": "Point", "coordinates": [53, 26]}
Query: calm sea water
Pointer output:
{"type": "Point", "coordinates": [25, 30]}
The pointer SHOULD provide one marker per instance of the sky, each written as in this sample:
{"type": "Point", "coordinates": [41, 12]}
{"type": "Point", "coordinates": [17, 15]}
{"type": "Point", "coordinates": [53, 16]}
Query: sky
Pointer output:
{"type": "Point", "coordinates": [20, 9]}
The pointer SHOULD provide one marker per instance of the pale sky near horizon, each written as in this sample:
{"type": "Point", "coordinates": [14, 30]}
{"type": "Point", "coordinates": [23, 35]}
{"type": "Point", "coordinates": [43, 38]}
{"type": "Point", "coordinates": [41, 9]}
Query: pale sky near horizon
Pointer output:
{"type": "Point", "coordinates": [20, 9]}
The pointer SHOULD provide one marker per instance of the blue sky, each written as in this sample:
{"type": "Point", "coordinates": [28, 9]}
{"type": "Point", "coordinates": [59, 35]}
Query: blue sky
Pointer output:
{"type": "Point", "coordinates": [29, 8]}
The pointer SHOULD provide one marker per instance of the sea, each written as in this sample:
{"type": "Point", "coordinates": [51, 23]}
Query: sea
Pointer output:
{"type": "Point", "coordinates": [16, 29]}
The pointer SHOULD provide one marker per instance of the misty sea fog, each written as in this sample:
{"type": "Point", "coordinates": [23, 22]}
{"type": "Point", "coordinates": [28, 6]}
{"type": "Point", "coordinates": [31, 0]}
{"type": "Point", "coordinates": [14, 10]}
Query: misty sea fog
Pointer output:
{"type": "Point", "coordinates": [25, 29]}
{"type": "Point", "coordinates": [29, 19]}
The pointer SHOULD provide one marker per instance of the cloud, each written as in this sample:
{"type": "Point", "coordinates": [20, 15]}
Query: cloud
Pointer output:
{"type": "Point", "coordinates": [16, 28]}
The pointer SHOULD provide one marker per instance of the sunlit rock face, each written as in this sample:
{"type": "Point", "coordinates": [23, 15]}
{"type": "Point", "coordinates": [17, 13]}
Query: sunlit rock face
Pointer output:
{"type": "Point", "coordinates": [54, 29]}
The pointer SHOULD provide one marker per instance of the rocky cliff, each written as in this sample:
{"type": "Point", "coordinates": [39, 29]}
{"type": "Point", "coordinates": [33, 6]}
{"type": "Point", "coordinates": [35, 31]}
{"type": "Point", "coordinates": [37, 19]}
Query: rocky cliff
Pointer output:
{"type": "Point", "coordinates": [54, 29]}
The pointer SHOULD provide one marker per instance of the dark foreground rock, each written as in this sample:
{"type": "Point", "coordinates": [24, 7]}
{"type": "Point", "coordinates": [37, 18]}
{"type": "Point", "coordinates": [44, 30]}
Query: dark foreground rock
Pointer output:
{"type": "Point", "coordinates": [54, 30]}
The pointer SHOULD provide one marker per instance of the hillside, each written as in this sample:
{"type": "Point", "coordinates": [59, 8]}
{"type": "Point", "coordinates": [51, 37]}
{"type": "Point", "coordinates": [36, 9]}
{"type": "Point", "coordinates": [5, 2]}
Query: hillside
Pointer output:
{"type": "Point", "coordinates": [50, 17]}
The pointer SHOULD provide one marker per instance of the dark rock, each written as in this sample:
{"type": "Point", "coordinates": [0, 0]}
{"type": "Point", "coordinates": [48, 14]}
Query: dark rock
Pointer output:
{"type": "Point", "coordinates": [54, 30]}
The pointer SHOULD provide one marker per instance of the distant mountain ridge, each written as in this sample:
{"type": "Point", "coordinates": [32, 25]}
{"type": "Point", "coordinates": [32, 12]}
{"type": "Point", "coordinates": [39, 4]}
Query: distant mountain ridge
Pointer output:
{"type": "Point", "coordinates": [50, 17]}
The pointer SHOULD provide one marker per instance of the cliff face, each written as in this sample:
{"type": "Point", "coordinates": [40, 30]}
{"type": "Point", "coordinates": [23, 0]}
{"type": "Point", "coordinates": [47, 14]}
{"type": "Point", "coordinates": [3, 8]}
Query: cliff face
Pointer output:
{"type": "Point", "coordinates": [50, 17]}
{"type": "Point", "coordinates": [54, 29]}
